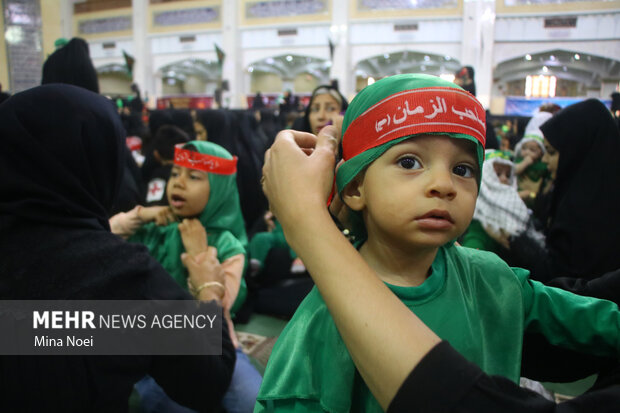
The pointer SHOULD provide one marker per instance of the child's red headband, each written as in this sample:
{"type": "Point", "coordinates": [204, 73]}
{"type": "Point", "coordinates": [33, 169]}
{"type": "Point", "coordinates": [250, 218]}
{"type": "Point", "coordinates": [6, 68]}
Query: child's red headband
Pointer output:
{"type": "Point", "coordinates": [412, 112]}
{"type": "Point", "coordinates": [203, 162]}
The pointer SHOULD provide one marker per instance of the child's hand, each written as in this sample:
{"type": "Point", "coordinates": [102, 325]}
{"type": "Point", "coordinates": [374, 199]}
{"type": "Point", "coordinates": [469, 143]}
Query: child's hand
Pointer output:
{"type": "Point", "coordinates": [162, 215]}
{"type": "Point", "coordinates": [194, 236]}
{"type": "Point", "coordinates": [524, 164]}
{"type": "Point", "coordinates": [299, 172]}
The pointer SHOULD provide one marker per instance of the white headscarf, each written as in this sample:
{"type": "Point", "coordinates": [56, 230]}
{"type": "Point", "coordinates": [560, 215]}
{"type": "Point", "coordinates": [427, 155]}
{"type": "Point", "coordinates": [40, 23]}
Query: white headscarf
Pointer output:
{"type": "Point", "coordinates": [499, 205]}
{"type": "Point", "coordinates": [533, 132]}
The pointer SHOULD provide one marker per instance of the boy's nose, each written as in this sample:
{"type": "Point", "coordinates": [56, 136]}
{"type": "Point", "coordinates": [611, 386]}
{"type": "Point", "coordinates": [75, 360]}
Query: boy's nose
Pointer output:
{"type": "Point", "coordinates": [441, 184]}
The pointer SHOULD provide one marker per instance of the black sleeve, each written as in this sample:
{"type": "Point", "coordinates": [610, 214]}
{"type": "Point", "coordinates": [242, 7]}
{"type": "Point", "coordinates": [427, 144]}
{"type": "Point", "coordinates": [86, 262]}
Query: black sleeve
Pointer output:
{"type": "Point", "coordinates": [197, 382]}
{"type": "Point", "coordinates": [527, 251]}
{"type": "Point", "coordinates": [607, 286]}
{"type": "Point", "coordinates": [444, 381]}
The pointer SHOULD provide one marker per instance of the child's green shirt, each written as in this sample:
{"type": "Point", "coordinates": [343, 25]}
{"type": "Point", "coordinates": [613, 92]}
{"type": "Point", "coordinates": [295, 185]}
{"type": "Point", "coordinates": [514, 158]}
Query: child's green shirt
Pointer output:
{"type": "Point", "coordinates": [472, 299]}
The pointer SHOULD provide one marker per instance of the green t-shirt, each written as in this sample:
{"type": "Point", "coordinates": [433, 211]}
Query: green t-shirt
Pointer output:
{"type": "Point", "coordinates": [471, 299]}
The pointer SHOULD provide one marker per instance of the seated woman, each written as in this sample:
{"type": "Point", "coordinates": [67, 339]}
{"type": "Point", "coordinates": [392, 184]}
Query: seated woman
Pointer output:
{"type": "Point", "coordinates": [60, 170]}
{"type": "Point", "coordinates": [580, 219]}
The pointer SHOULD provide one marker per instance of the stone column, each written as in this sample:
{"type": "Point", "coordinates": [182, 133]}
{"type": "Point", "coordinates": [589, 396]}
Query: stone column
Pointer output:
{"type": "Point", "coordinates": [341, 62]}
{"type": "Point", "coordinates": [231, 70]}
{"type": "Point", "coordinates": [478, 43]}
{"type": "Point", "coordinates": [143, 66]}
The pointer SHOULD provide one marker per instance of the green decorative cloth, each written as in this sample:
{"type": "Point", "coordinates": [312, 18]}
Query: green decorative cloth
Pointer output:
{"type": "Point", "coordinates": [310, 369]}
{"type": "Point", "coordinates": [221, 218]}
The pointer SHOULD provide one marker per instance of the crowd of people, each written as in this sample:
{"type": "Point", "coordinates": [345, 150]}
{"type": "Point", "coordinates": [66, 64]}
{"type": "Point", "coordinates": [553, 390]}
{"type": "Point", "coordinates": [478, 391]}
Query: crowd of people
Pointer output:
{"type": "Point", "coordinates": [424, 264]}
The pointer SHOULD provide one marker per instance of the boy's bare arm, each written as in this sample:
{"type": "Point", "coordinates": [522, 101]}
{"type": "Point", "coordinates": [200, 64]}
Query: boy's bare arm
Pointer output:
{"type": "Point", "coordinates": [523, 165]}
{"type": "Point", "coordinates": [161, 215]}
{"type": "Point", "coordinates": [125, 224]}
{"type": "Point", "coordinates": [298, 177]}
{"type": "Point", "coordinates": [233, 272]}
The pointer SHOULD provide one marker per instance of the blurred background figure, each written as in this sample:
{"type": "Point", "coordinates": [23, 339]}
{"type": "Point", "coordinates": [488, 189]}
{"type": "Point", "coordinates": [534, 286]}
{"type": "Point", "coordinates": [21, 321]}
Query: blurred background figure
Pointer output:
{"type": "Point", "coordinates": [326, 103]}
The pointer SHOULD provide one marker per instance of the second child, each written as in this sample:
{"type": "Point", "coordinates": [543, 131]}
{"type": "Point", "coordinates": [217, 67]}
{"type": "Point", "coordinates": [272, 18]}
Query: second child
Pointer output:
{"type": "Point", "coordinates": [203, 212]}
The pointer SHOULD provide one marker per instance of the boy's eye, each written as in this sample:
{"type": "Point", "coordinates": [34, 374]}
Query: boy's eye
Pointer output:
{"type": "Point", "coordinates": [195, 177]}
{"type": "Point", "coordinates": [409, 163]}
{"type": "Point", "coordinates": [465, 171]}
{"type": "Point", "coordinates": [174, 174]}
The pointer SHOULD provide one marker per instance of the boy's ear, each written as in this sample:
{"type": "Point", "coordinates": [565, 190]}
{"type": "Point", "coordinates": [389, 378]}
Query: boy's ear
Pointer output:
{"type": "Point", "coordinates": [353, 193]}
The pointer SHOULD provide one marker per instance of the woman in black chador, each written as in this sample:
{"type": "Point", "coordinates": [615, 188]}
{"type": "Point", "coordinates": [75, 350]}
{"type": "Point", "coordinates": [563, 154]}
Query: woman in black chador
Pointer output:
{"type": "Point", "coordinates": [60, 167]}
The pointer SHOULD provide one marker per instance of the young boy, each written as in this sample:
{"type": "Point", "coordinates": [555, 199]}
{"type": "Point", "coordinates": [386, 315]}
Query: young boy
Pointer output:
{"type": "Point", "coordinates": [412, 150]}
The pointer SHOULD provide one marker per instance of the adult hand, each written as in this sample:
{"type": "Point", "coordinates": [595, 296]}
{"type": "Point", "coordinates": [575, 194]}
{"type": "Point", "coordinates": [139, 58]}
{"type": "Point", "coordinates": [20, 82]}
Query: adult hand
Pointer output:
{"type": "Point", "coordinates": [299, 172]}
{"type": "Point", "coordinates": [193, 235]}
{"type": "Point", "coordinates": [205, 268]}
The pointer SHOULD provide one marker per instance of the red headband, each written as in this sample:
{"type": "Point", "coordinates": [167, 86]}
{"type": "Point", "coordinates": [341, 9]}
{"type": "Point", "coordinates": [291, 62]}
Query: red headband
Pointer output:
{"type": "Point", "coordinates": [416, 111]}
{"type": "Point", "coordinates": [203, 162]}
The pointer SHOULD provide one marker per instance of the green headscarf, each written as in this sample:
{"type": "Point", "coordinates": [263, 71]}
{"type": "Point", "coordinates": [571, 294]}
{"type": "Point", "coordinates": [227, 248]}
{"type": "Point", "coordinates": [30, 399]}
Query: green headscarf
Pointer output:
{"type": "Point", "coordinates": [395, 89]}
{"type": "Point", "coordinates": [221, 218]}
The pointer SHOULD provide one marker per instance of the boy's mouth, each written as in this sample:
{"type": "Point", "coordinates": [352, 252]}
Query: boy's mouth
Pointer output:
{"type": "Point", "coordinates": [435, 219]}
{"type": "Point", "coordinates": [177, 201]}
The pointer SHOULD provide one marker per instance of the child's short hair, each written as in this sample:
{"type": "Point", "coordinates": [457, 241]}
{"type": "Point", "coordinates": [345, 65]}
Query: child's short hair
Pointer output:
{"type": "Point", "coordinates": [400, 107]}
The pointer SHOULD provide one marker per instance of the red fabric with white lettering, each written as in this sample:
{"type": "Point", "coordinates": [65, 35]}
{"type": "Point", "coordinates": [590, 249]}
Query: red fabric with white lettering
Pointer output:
{"type": "Point", "coordinates": [203, 162]}
{"type": "Point", "coordinates": [416, 111]}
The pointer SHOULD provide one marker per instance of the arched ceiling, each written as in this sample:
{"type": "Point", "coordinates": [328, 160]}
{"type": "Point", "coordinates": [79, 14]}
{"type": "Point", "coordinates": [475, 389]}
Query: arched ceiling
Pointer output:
{"type": "Point", "coordinates": [113, 68]}
{"type": "Point", "coordinates": [407, 62]}
{"type": "Point", "coordinates": [181, 70]}
{"type": "Point", "coordinates": [586, 69]}
{"type": "Point", "coordinates": [289, 66]}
